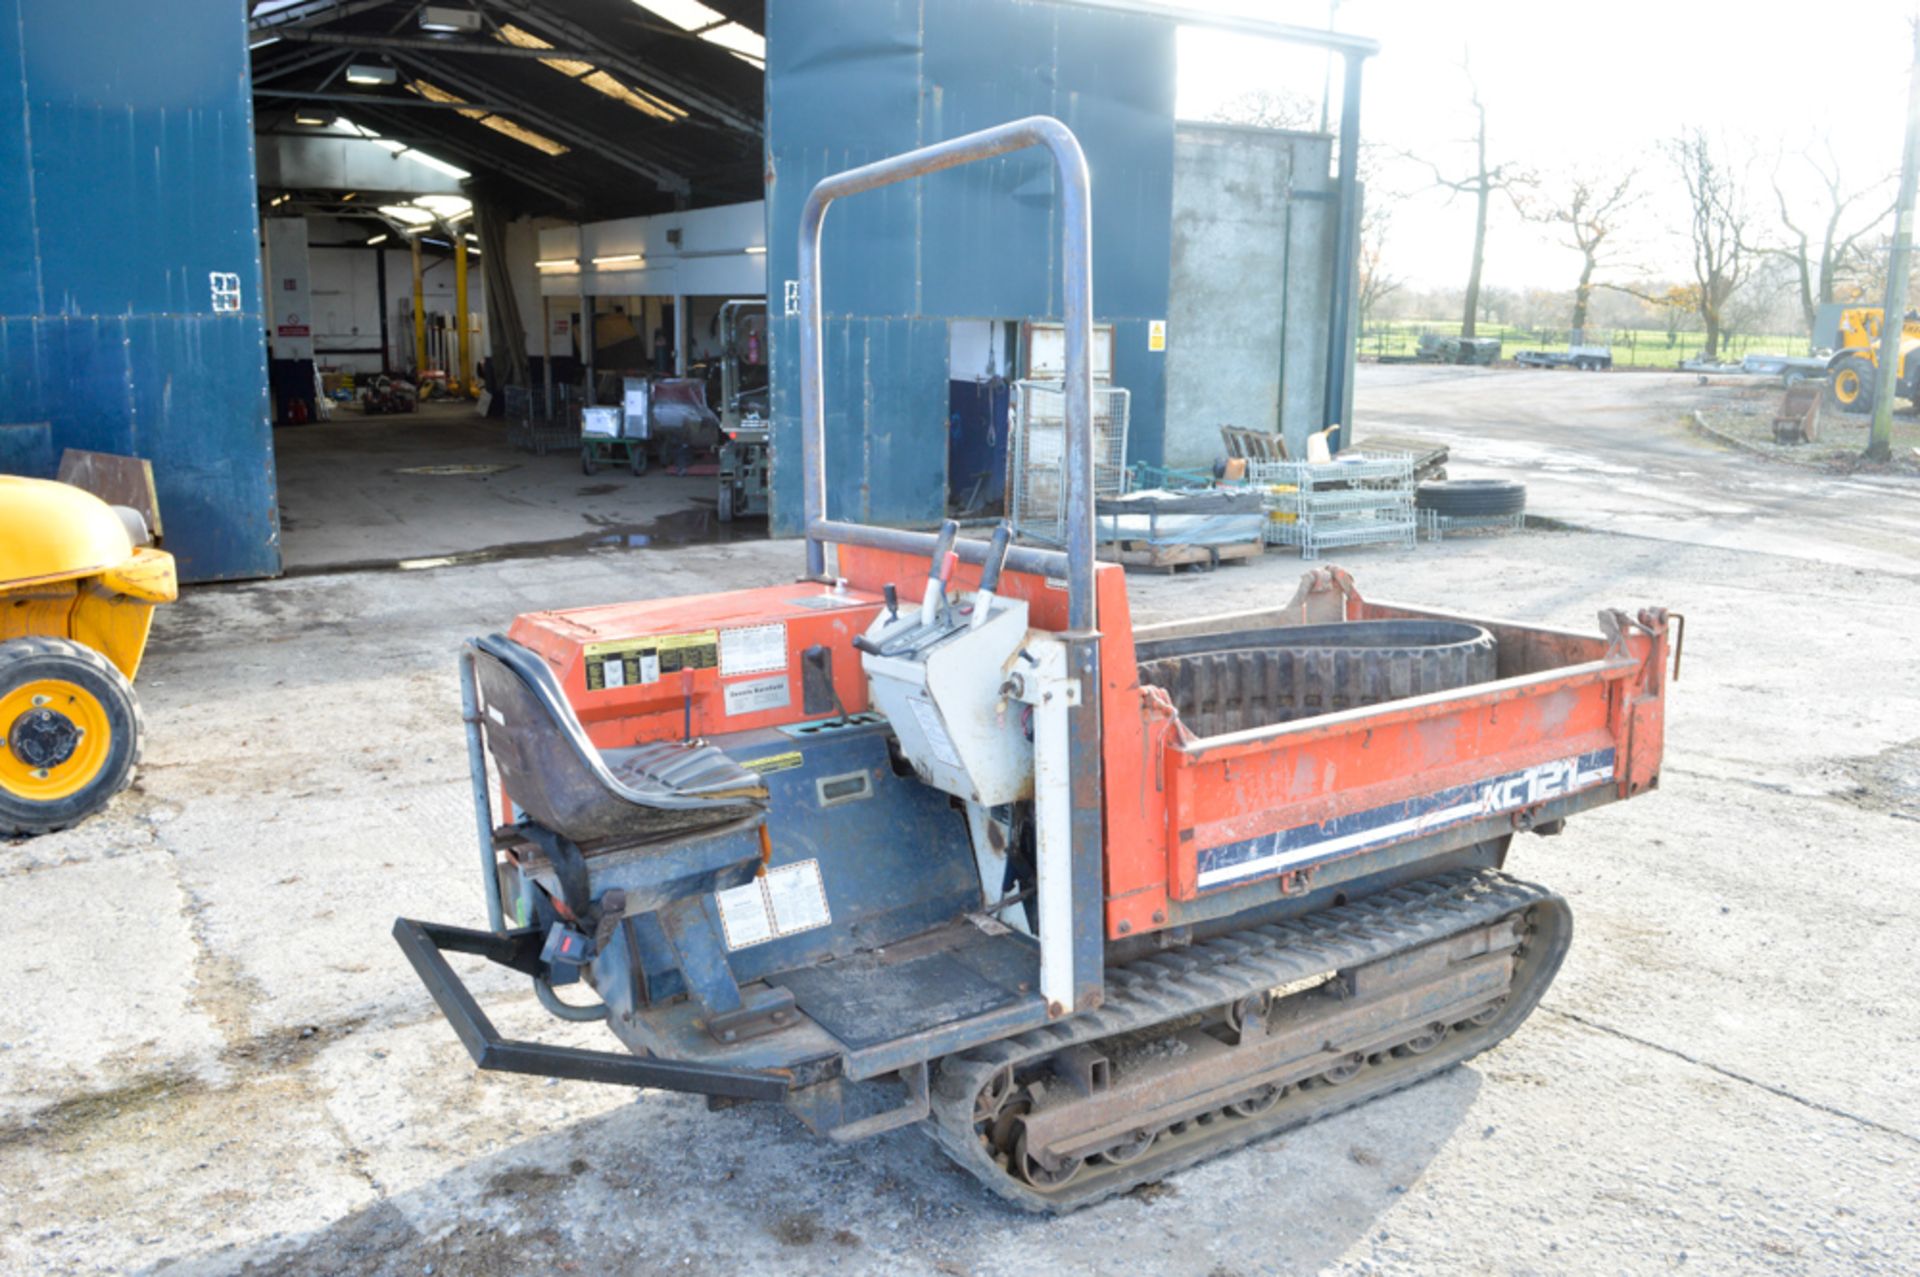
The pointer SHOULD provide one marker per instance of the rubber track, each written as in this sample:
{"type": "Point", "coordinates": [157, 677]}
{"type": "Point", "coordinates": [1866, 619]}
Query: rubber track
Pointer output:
{"type": "Point", "coordinates": [1179, 983]}
{"type": "Point", "coordinates": [1252, 679]}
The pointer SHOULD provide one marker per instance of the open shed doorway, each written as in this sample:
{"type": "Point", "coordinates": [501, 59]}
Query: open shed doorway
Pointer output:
{"type": "Point", "coordinates": [428, 383]}
{"type": "Point", "coordinates": [981, 357]}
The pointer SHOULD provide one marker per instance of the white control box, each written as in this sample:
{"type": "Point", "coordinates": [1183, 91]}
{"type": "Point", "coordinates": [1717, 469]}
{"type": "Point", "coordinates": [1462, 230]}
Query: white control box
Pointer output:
{"type": "Point", "coordinates": [940, 688]}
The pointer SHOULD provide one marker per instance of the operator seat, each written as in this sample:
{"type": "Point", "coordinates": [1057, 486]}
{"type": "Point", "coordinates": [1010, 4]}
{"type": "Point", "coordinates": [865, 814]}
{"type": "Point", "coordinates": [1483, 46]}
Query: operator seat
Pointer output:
{"type": "Point", "coordinates": [556, 775]}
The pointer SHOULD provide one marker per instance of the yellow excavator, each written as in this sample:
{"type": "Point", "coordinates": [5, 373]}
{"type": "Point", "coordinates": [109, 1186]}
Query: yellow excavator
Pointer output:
{"type": "Point", "coordinates": [78, 583]}
{"type": "Point", "coordinates": [1852, 371]}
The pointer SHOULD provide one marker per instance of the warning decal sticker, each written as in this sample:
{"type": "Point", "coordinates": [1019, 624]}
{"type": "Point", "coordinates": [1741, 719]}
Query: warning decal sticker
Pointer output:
{"type": "Point", "coordinates": [783, 902]}
{"type": "Point", "coordinates": [753, 649]}
{"type": "Point", "coordinates": [633, 661]}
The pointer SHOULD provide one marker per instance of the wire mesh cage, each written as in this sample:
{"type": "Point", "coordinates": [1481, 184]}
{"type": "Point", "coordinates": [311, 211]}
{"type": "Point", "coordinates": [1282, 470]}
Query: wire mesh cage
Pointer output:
{"type": "Point", "coordinates": [1037, 458]}
{"type": "Point", "coordinates": [537, 426]}
{"type": "Point", "coordinates": [1357, 499]}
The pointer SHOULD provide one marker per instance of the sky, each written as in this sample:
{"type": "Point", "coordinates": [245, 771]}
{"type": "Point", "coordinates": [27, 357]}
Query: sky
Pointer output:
{"type": "Point", "coordinates": [1588, 87]}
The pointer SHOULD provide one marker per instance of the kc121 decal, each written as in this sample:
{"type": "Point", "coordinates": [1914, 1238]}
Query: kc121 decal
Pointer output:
{"type": "Point", "coordinates": [1397, 822]}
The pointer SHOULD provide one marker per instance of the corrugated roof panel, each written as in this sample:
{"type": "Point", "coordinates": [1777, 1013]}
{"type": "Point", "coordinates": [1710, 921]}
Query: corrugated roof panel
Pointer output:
{"type": "Point", "coordinates": [521, 133]}
{"type": "Point", "coordinates": [658, 108]}
{"type": "Point", "coordinates": [434, 93]}
{"type": "Point", "coordinates": [498, 123]}
{"type": "Point", "coordinates": [522, 38]}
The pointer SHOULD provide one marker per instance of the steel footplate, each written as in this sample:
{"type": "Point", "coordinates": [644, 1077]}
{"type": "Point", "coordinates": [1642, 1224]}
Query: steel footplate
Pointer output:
{"type": "Point", "coordinates": [1491, 946]}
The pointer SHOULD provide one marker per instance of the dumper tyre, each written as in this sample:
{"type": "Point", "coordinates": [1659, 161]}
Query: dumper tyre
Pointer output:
{"type": "Point", "coordinates": [70, 734]}
{"type": "Point", "coordinates": [1235, 681]}
{"type": "Point", "coordinates": [1850, 387]}
{"type": "Point", "coordinates": [1472, 498]}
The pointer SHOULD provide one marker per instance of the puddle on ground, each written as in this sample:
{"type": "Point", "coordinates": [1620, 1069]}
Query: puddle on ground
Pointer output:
{"type": "Point", "coordinates": [464, 468]}
{"type": "Point", "coordinates": [696, 525]}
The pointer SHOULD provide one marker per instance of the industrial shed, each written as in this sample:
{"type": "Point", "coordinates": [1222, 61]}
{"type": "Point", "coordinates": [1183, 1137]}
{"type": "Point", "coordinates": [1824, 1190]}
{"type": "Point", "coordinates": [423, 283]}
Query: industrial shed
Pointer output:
{"type": "Point", "coordinates": [230, 222]}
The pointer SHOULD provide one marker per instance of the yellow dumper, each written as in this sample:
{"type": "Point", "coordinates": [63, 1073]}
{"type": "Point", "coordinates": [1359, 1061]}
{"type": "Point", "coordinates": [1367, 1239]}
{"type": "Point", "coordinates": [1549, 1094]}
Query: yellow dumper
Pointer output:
{"type": "Point", "coordinates": [78, 581]}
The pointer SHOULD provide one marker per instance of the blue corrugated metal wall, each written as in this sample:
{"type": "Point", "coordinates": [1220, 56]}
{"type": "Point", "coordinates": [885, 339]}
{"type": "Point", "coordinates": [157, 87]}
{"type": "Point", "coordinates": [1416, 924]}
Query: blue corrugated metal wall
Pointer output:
{"type": "Point", "coordinates": [862, 79]}
{"type": "Point", "coordinates": [126, 157]}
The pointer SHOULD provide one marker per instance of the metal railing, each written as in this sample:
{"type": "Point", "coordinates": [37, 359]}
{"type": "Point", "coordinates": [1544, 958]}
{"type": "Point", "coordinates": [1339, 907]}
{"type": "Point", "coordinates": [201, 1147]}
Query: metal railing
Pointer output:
{"type": "Point", "coordinates": [1076, 563]}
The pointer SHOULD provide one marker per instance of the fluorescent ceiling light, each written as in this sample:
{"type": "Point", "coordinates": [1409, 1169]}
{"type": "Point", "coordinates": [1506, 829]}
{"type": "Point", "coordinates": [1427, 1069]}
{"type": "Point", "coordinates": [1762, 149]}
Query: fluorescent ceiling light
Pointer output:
{"type": "Point", "coordinates": [369, 73]}
{"type": "Point", "coordinates": [381, 238]}
{"type": "Point", "coordinates": [443, 17]}
{"type": "Point", "coordinates": [264, 42]}
{"type": "Point", "coordinates": [471, 238]}
{"type": "Point", "coordinates": [558, 263]}
{"type": "Point", "coordinates": [278, 200]}
{"type": "Point", "coordinates": [308, 118]}
{"type": "Point", "coordinates": [756, 248]}
{"type": "Point", "coordinates": [444, 205]}
{"type": "Point", "coordinates": [618, 259]}
{"type": "Point", "coordinates": [410, 214]}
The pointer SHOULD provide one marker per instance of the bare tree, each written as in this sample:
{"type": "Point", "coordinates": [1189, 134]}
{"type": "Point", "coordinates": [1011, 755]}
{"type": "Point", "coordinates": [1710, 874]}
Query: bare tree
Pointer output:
{"type": "Point", "coordinates": [1821, 248]}
{"type": "Point", "coordinates": [1864, 278]}
{"type": "Point", "coordinates": [1481, 183]}
{"type": "Point", "coordinates": [1587, 215]}
{"type": "Point", "coordinates": [1376, 285]}
{"type": "Point", "coordinates": [1268, 109]}
{"type": "Point", "coordinates": [1718, 223]}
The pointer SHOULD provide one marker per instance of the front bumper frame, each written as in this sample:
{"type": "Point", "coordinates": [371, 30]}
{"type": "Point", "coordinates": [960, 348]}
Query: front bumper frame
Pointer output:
{"type": "Point", "coordinates": [426, 943]}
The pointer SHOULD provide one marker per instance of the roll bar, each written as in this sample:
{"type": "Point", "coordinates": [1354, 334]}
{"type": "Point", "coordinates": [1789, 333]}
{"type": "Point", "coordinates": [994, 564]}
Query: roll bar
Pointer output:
{"type": "Point", "coordinates": [1076, 564]}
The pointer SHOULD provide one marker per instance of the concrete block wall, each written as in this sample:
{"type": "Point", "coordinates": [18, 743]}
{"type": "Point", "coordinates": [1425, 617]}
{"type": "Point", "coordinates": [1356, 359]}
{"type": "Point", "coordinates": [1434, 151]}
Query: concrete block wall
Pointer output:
{"type": "Point", "coordinates": [1251, 266]}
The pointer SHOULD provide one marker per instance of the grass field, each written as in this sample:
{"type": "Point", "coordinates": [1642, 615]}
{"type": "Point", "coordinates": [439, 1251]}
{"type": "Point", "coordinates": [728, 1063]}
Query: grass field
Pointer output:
{"type": "Point", "coordinates": [1632, 347]}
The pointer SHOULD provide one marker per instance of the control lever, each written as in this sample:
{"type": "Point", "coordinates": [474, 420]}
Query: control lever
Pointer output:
{"type": "Point", "coordinates": [893, 601]}
{"type": "Point", "coordinates": [990, 573]}
{"type": "Point", "coordinates": [937, 571]}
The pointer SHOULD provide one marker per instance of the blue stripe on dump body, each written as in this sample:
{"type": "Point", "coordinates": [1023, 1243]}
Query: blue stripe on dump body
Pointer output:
{"type": "Point", "coordinates": [1397, 822]}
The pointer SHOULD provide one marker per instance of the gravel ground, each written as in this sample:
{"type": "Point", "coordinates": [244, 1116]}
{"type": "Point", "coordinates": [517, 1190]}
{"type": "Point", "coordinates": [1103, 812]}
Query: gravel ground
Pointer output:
{"type": "Point", "coordinates": [215, 1060]}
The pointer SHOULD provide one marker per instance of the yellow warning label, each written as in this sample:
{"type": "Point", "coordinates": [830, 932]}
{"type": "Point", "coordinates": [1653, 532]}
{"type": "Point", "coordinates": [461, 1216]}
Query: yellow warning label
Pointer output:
{"type": "Point", "coordinates": [773, 762]}
{"type": "Point", "coordinates": [630, 661]}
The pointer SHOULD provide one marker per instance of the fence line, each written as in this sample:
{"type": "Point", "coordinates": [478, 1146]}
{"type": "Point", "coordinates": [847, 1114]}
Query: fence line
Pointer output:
{"type": "Point", "coordinates": [1631, 346]}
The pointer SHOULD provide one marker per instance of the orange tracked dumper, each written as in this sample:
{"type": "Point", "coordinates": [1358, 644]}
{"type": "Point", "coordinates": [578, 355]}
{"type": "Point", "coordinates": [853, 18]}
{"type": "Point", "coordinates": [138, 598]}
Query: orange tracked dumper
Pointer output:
{"type": "Point", "coordinates": [935, 835]}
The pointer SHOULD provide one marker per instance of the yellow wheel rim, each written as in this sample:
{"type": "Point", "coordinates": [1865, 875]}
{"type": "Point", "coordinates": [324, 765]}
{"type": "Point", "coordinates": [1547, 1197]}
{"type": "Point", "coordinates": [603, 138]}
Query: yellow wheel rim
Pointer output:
{"type": "Point", "coordinates": [73, 709]}
{"type": "Point", "coordinates": [1846, 386]}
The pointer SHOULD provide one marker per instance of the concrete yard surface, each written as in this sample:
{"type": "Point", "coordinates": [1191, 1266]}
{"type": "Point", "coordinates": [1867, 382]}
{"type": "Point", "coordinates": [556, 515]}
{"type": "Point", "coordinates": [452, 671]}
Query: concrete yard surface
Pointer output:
{"type": "Point", "coordinates": [213, 1058]}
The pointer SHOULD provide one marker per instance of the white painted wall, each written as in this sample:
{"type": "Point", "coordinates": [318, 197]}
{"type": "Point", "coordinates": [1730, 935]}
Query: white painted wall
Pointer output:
{"type": "Point", "coordinates": [711, 260]}
{"type": "Point", "coordinates": [523, 249]}
{"type": "Point", "coordinates": [345, 296]}
{"type": "Point", "coordinates": [286, 262]}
